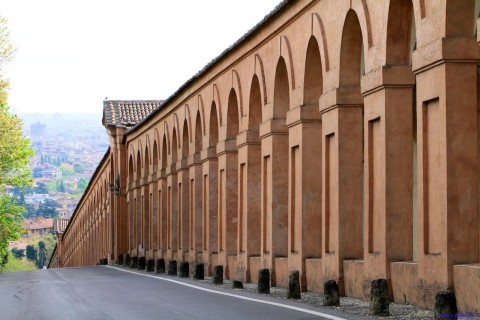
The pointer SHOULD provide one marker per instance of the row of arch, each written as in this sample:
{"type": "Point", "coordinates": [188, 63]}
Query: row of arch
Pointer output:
{"type": "Point", "coordinates": [295, 169]}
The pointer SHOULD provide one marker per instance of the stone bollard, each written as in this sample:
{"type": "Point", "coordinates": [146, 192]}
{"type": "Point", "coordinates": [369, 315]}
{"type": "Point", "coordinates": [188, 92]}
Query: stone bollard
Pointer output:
{"type": "Point", "coordinates": [133, 262]}
{"type": "Point", "coordinates": [120, 259]}
{"type": "Point", "coordinates": [263, 281]}
{"type": "Point", "coordinates": [217, 276]}
{"type": "Point", "coordinates": [237, 284]}
{"type": "Point", "coordinates": [331, 294]}
{"type": "Point", "coordinates": [199, 271]}
{"type": "Point", "coordinates": [445, 305]}
{"type": "Point", "coordinates": [379, 305]}
{"type": "Point", "coordinates": [184, 269]}
{"type": "Point", "coordinates": [150, 265]}
{"type": "Point", "coordinates": [294, 286]}
{"type": "Point", "coordinates": [172, 268]}
{"type": "Point", "coordinates": [160, 266]}
{"type": "Point", "coordinates": [142, 263]}
{"type": "Point", "coordinates": [126, 260]}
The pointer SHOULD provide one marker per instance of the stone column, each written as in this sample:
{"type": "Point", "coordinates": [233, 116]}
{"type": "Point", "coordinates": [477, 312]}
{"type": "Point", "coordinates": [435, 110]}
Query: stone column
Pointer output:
{"type": "Point", "coordinates": [274, 184]}
{"type": "Point", "coordinates": [388, 183]}
{"type": "Point", "coordinates": [249, 202]}
{"type": "Point", "coordinates": [209, 208]}
{"type": "Point", "coordinates": [447, 157]}
{"type": "Point", "coordinates": [162, 215]}
{"type": "Point", "coordinates": [195, 209]}
{"type": "Point", "coordinates": [183, 219]}
{"type": "Point", "coordinates": [305, 188]}
{"type": "Point", "coordinates": [227, 204]}
{"type": "Point", "coordinates": [342, 180]}
{"type": "Point", "coordinates": [172, 211]}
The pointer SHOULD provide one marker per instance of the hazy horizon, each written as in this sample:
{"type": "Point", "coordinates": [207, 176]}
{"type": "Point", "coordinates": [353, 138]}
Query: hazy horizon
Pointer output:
{"type": "Point", "coordinates": [72, 54]}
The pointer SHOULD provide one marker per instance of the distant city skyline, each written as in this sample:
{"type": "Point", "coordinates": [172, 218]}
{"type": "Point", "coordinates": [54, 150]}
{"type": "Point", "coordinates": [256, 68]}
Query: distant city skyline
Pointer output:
{"type": "Point", "coordinates": [71, 55]}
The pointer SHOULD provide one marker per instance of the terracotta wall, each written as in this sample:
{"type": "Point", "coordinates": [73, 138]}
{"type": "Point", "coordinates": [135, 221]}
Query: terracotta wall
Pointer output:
{"type": "Point", "coordinates": [338, 139]}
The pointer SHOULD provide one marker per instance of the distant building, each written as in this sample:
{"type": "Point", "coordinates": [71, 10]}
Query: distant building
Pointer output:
{"type": "Point", "coordinates": [38, 226]}
{"type": "Point", "coordinates": [37, 129]}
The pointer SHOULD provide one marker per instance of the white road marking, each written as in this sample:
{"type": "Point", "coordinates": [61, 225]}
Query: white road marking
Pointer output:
{"type": "Point", "coordinates": [316, 313]}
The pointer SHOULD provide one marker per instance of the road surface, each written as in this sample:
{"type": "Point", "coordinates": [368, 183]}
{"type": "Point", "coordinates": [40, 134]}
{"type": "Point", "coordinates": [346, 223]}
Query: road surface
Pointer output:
{"type": "Point", "coordinates": [118, 293]}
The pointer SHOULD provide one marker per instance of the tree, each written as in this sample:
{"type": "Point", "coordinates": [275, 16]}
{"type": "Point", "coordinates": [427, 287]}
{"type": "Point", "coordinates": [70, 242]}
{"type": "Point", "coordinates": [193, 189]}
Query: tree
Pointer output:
{"type": "Point", "coordinates": [82, 184]}
{"type": "Point", "coordinates": [48, 209]}
{"type": "Point", "coordinates": [6, 53]}
{"type": "Point", "coordinates": [18, 253]}
{"type": "Point", "coordinates": [15, 153]}
{"type": "Point", "coordinates": [31, 253]}
{"type": "Point", "coordinates": [42, 255]}
{"type": "Point", "coordinates": [41, 188]}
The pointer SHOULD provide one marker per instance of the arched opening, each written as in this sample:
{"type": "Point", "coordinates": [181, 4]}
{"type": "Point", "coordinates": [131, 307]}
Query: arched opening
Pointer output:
{"type": "Point", "coordinates": [130, 169]}
{"type": "Point", "coordinates": [281, 97]}
{"type": "Point", "coordinates": [164, 152]}
{"type": "Point", "coordinates": [139, 165]}
{"type": "Point", "coordinates": [255, 107]}
{"type": "Point", "coordinates": [232, 116]}
{"type": "Point", "coordinates": [313, 83]}
{"type": "Point", "coordinates": [198, 134]}
{"type": "Point", "coordinates": [185, 141]}
{"type": "Point", "coordinates": [275, 172]}
{"type": "Point", "coordinates": [213, 138]}
{"type": "Point", "coordinates": [250, 221]}
{"type": "Point", "coordinates": [351, 52]}
{"type": "Point", "coordinates": [174, 146]}
{"type": "Point", "coordinates": [399, 33]}
{"type": "Point", "coordinates": [155, 157]}
{"type": "Point", "coordinates": [147, 162]}
{"type": "Point", "coordinates": [305, 182]}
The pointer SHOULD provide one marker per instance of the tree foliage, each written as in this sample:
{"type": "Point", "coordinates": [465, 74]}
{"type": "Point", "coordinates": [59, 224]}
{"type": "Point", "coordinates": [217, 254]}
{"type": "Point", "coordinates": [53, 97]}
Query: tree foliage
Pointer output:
{"type": "Point", "coordinates": [6, 53]}
{"type": "Point", "coordinates": [15, 153]}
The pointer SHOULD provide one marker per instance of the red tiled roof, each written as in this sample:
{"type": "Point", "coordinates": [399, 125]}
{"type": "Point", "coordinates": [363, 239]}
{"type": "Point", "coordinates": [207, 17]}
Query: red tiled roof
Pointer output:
{"type": "Point", "coordinates": [39, 223]}
{"type": "Point", "coordinates": [127, 113]}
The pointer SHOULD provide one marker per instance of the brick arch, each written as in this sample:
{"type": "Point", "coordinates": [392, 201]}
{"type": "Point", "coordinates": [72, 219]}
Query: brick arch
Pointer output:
{"type": "Point", "coordinates": [237, 86]}
{"type": "Point", "coordinates": [281, 90]}
{"type": "Point", "coordinates": [155, 156]}
{"type": "Point", "coordinates": [233, 117]}
{"type": "Point", "coordinates": [313, 75]}
{"type": "Point", "coordinates": [147, 156]}
{"type": "Point", "coordinates": [166, 134]}
{"type": "Point", "coordinates": [188, 118]}
{"type": "Point", "coordinates": [255, 106]}
{"type": "Point", "coordinates": [164, 152]}
{"type": "Point", "coordinates": [350, 51]}
{"type": "Point", "coordinates": [399, 24]}
{"type": "Point", "coordinates": [176, 125]}
{"type": "Point", "coordinates": [260, 73]}
{"type": "Point", "coordinates": [214, 126]}
{"type": "Point", "coordinates": [286, 54]}
{"type": "Point", "coordinates": [217, 101]}
{"type": "Point", "coordinates": [185, 140]}
{"type": "Point", "coordinates": [174, 147]}
{"type": "Point", "coordinates": [201, 111]}
{"type": "Point", "coordinates": [318, 32]}
{"type": "Point", "coordinates": [198, 132]}
{"type": "Point", "coordinates": [139, 151]}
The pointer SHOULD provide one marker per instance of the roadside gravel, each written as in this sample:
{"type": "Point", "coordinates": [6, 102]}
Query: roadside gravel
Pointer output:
{"type": "Point", "coordinates": [349, 305]}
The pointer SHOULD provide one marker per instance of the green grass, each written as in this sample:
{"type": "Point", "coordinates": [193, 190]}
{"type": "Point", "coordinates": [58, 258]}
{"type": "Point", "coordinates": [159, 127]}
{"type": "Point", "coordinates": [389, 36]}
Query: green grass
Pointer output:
{"type": "Point", "coordinates": [14, 264]}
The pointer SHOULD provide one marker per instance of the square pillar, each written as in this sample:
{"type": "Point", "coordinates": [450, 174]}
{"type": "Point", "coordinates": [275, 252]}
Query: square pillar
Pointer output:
{"type": "Point", "coordinates": [249, 202]}
{"type": "Point", "coordinates": [305, 188]}
{"type": "Point", "coordinates": [447, 173]}
{"type": "Point", "coordinates": [341, 188]}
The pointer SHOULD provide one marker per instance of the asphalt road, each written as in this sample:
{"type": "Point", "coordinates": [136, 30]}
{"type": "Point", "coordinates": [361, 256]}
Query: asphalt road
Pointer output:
{"type": "Point", "coordinates": [110, 293]}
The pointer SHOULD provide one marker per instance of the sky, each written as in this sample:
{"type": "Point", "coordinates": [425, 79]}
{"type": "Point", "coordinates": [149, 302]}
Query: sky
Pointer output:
{"type": "Point", "coordinates": [72, 54]}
